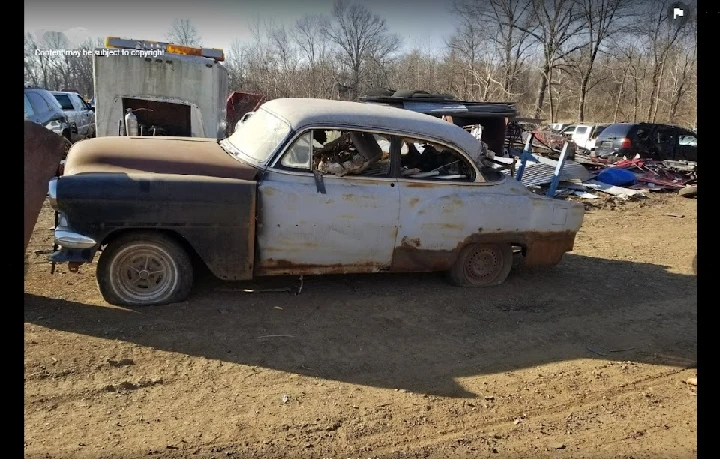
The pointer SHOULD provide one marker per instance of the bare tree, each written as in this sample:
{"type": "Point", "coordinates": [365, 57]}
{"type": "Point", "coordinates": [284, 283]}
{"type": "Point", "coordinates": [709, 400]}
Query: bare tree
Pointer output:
{"type": "Point", "coordinates": [53, 40]}
{"type": "Point", "coordinates": [467, 42]}
{"type": "Point", "coordinates": [283, 46]}
{"type": "Point", "coordinates": [235, 65]}
{"type": "Point", "coordinates": [507, 24]}
{"type": "Point", "coordinates": [183, 32]}
{"type": "Point", "coordinates": [360, 35]}
{"type": "Point", "coordinates": [556, 23]}
{"type": "Point", "coordinates": [308, 35]}
{"type": "Point", "coordinates": [685, 57]}
{"type": "Point", "coordinates": [660, 34]}
{"type": "Point", "coordinates": [602, 19]}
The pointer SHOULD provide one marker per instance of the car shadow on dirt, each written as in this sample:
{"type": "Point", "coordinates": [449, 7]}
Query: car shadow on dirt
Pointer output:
{"type": "Point", "coordinates": [414, 331]}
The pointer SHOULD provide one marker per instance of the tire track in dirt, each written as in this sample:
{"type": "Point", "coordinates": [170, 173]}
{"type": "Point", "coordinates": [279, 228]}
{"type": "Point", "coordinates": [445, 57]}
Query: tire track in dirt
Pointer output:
{"type": "Point", "coordinates": [598, 398]}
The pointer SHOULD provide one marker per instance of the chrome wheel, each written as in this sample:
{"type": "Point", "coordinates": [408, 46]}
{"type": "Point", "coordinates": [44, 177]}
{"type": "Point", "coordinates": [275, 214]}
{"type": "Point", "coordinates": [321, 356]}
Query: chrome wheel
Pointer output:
{"type": "Point", "coordinates": [143, 273]}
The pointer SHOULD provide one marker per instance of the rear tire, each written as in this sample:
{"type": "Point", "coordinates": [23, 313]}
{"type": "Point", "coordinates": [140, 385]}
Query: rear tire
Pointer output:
{"type": "Point", "coordinates": [688, 192]}
{"type": "Point", "coordinates": [482, 265]}
{"type": "Point", "coordinates": [144, 269]}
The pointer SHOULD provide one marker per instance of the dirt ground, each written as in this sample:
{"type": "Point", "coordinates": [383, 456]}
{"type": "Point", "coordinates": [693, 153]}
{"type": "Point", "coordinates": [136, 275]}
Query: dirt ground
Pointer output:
{"type": "Point", "coordinates": [588, 360]}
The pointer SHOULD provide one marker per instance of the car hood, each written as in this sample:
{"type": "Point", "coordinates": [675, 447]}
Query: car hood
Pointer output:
{"type": "Point", "coordinates": [162, 155]}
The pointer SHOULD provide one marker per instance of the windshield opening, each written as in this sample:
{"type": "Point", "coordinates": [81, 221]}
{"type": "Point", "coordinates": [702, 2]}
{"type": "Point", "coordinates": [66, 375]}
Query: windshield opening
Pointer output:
{"type": "Point", "coordinates": [258, 136]}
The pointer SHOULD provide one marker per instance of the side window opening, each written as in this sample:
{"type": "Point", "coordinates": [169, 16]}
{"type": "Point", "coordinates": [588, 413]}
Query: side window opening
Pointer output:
{"type": "Point", "coordinates": [420, 159]}
{"type": "Point", "coordinates": [350, 152]}
{"type": "Point", "coordinates": [299, 154]}
{"type": "Point", "coordinates": [688, 140]}
{"type": "Point", "coordinates": [340, 153]}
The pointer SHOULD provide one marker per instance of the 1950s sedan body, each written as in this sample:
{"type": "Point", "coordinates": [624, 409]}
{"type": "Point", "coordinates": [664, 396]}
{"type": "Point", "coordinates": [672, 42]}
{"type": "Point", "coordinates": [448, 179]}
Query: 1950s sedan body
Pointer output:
{"type": "Point", "coordinates": [304, 186]}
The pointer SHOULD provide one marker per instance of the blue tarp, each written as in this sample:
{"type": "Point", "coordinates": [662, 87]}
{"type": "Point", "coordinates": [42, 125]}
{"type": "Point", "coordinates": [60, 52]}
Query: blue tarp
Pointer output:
{"type": "Point", "coordinates": [617, 177]}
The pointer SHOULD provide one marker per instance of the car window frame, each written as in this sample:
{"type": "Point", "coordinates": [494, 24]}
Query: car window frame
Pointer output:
{"type": "Point", "coordinates": [274, 163]}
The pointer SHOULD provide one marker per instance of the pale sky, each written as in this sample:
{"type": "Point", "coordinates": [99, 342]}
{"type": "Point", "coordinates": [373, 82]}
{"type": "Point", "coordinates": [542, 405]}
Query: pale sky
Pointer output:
{"type": "Point", "coordinates": [421, 23]}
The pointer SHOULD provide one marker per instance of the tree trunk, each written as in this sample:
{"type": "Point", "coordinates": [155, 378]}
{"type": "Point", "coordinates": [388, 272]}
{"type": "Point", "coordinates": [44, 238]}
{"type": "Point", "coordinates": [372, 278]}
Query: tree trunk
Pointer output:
{"type": "Point", "coordinates": [583, 95]}
{"type": "Point", "coordinates": [657, 92]}
{"type": "Point", "coordinates": [654, 90]}
{"type": "Point", "coordinates": [541, 90]}
{"type": "Point", "coordinates": [636, 100]}
{"type": "Point", "coordinates": [619, 96]}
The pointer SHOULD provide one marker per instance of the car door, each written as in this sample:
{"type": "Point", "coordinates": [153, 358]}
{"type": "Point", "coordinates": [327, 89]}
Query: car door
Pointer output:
{"type": "Point", "coordinates": [687, 145]}
{"type": "Point", "coordinates": [310, 223]}
{"type": "Point", "coordinates": [442, 206]}
{"type": "Point", "coordinates": [581, 136]}
{"type": "Point", "coordinates": [665, 142]}
{"type": "Point", "coordinates": [82, 114]}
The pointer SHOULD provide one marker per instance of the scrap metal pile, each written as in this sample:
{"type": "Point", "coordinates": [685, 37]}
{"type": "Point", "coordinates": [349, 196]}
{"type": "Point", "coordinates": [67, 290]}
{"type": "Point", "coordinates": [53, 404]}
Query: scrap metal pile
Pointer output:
{"type": "Point", "coordinates": [587, 176]}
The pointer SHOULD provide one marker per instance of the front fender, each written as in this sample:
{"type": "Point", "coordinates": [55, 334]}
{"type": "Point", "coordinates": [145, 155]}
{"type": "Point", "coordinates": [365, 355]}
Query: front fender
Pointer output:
{"type": "Point", "coordinates": [215, 216]}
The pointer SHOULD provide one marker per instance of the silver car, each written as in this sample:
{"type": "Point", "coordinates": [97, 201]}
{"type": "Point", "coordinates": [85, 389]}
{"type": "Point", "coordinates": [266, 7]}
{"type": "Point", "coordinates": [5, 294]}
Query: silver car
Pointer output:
{"type": "Point", "coordinates": [42, 108]}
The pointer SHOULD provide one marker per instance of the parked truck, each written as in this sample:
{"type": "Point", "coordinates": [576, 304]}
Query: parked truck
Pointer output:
{"type": "Point", "coordinates": [171, 90]}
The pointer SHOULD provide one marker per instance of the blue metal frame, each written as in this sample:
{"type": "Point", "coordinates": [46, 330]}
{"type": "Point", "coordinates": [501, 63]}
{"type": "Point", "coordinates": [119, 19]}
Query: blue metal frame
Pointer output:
{"type": "Point", "coordinates": [558, 171]}
{"type": "Point", "coordinates": [525, 156]}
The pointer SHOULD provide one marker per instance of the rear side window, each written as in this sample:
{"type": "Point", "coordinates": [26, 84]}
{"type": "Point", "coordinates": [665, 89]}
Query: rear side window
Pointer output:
{"type": "Point", "coordinates": [28, 108]}
{"type": "Point", "coordinates": [599, 130]}
{"type": "Point", "coordinates": [615, 130]}
{"type": "Point", "coordinates": [65, 101]}
{"type": "Point", "coordinates": [39, 104]}
{"type": "Point", "coordinates": [581, 130]}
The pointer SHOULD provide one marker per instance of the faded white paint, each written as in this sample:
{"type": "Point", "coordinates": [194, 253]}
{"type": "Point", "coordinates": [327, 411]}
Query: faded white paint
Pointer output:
{"type": "Point", "coordinates": [439, 216]}
{"type": "Point", "coordinates": [199, 82]}
{"type": "Point", "coordinates": [359, 222]}
{"type": "Point", "coordinates": [355, 223]}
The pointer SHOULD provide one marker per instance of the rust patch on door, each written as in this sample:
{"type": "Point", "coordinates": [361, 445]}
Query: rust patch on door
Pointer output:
{"type": "Point", "coordinates": [279, 267]}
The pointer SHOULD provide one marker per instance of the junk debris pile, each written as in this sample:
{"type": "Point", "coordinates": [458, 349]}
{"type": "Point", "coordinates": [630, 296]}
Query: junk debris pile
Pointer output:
{"type": "Point", "coordinates": [602, 180]}
{"type": "Point", "coordinates": [350, 153]}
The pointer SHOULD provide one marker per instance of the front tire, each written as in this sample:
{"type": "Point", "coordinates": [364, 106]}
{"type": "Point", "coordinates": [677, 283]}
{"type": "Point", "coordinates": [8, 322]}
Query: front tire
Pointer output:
{"type": "Point", "coordinates": [144, 269]}
{"type": "Point", "coordinates": [482, 265]}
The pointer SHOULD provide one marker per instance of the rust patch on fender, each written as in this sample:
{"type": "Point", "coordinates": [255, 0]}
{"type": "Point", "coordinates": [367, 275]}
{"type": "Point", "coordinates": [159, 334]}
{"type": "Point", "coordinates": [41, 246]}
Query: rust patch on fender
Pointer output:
{"type": "Point", "coordinates": [410, 242]}
{"type": "Point", "coordinates": [541, 249]}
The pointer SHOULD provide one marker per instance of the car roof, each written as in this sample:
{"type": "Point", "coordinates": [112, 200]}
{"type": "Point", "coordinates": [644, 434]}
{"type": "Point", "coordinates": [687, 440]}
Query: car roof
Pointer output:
{"type": "Point", "coordinates": [302, 112]}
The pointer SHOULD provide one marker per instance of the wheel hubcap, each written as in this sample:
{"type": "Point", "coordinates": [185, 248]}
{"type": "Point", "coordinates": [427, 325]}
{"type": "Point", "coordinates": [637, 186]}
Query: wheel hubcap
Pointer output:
{"type": "Point", "coordinates": [143, 273]}
{"type": "Point", "coordinates": [483, 265]}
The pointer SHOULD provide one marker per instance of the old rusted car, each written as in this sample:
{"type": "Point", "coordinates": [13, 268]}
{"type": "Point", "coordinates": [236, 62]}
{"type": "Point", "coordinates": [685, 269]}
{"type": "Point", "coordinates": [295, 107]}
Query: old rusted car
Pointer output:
{"type": "Point", "coordinates": [303, 187]}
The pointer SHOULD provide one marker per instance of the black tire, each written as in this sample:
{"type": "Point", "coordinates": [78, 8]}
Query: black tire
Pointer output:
{"type": "Point", "coordinates": [482, 265]}
{"type": "Point", "coordinates": [147, 286]}
{"type": "Point", "coordinates": [688, 192]}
